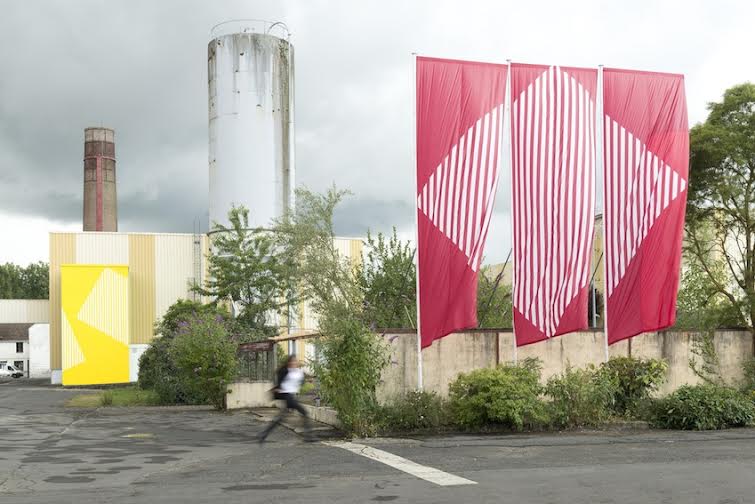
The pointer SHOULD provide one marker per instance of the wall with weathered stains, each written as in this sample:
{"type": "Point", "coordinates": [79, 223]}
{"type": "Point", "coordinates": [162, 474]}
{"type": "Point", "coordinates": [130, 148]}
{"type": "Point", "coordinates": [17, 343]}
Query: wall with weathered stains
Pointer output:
{"type": "Point", "coordinates": [463, 352]}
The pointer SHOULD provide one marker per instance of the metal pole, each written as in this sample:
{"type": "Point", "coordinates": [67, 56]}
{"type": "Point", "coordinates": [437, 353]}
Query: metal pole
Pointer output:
{"type": "Point", "coordinates": [600, 166]}
{"type": "Point", "coordinates": [413, 73]}
{"type": "Point", "coordinates": [507, 142]}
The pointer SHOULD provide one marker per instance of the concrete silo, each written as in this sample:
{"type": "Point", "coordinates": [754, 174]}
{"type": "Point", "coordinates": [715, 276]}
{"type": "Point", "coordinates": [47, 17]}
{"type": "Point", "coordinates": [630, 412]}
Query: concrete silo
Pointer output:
{"type": "Point", "coordinates": [251, 112]}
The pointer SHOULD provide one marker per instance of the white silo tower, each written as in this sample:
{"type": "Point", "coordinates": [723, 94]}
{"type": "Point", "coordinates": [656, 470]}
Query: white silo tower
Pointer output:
{"type": "Point", "coordinates": [251, 107]}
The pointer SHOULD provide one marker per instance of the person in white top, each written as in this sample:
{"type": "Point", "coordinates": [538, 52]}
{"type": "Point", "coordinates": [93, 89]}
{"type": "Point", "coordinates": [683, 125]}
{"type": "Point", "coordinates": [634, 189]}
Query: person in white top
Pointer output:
{"type": "Point", "coordinates": [289, 379]}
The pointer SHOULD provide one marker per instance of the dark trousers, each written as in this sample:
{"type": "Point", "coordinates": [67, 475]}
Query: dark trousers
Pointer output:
{"type": "Point", "coordinates": [291, 404]}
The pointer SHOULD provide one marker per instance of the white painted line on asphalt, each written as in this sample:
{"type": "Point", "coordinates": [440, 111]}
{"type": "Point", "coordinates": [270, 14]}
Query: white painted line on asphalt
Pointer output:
{"type": "Point", "coordinates": [426, 473]}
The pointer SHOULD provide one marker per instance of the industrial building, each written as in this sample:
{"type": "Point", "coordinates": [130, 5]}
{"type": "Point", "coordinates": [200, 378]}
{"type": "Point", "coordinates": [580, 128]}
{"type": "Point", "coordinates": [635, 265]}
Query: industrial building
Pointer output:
{"type": "Point", "coordinates": [107, 289]}
{"type": "Point", "coordinates": [159, 269]}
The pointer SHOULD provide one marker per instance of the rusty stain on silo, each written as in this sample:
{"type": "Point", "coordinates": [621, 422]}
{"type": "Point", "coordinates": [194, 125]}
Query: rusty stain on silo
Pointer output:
{"type": "Point", "coordinates": [100, 197]}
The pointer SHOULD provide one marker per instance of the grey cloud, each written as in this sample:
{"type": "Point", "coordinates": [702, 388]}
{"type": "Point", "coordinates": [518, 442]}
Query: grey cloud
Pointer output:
{"type": "Point", "coordinates": [139, 66]}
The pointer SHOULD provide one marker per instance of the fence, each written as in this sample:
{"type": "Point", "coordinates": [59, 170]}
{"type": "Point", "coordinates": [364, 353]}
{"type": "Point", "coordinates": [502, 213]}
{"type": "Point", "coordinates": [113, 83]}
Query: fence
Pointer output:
{"type": "Point", "coordinates": [257, 361]}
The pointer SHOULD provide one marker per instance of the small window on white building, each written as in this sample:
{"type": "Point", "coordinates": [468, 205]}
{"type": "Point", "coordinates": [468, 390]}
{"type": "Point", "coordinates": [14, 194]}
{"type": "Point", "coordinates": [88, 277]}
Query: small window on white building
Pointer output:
{"type": "Point", "coordinates": [19, 364]}
{"type": "Point", "coordinates": [19, 347]}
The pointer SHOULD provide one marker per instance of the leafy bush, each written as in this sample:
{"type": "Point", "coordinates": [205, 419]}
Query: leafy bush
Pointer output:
{"type": "Point", "coordinates": [507, 396]}
{"type": "Point", "coordinates": [580, 397]}
{"type": "Point", "coordinates": [703, 407]}
{"type": "Point", "coordinates": [157, 369]}
{"type": "Point", "coordinates": [352, 359]}
{"type": "Point", "coordinates": [414, 410]}
{"type": "Point", "coordinates": [205, 358]}
{"type": "Point", "coordinates": [748, 382]}
{"type": "Point", "coordinates": [635, 380]}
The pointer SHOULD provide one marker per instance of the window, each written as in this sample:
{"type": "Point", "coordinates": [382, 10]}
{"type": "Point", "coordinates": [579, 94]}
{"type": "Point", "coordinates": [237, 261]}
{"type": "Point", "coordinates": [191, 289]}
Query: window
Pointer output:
{"type": "Point", "coordinates": [19, 347]}
{"type": "Point", "coordinates": [19, 364]}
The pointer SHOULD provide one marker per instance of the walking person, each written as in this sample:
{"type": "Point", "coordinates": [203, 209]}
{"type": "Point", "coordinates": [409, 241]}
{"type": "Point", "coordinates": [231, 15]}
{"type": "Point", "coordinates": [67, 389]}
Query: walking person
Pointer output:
{"type": "Point", "coordinates": [288, 382]}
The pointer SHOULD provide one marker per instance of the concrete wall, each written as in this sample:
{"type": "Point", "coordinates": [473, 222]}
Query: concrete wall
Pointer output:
{"type": "Point", "coordinates": [249, 394]}
{"type": "Point", "coordinates": [39, 351]}
{"type": "Point", "coordinates": [464, 352]}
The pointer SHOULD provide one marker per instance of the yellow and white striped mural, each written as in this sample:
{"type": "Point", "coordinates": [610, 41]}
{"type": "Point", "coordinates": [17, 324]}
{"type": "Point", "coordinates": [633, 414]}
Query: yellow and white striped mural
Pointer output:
{"type": "Point", "coordinates": [95, 324]}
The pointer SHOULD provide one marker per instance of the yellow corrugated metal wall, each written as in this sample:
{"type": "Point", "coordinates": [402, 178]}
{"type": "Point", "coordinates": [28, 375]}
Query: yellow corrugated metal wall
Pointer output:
{"type": "Point", "coordinates": [62, 250]}
{"type": "Point", "coordinates": [174, 270]}
{"type": "Point", "coordinates": [141, 254]}
{"type": "Point", "coordinates": [162, 267]}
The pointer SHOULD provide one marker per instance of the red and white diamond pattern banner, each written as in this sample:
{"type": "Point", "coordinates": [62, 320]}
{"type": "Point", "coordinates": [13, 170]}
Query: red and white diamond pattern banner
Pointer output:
{"type": "Point", "coordinates": [646, 156]}
{"type": "Point", "coordinates": [553, 162]}
{"type": "Point", "coordinates": [644, 186]}
{"type": "Point", "coordinates": [459, 120]}
{"type": "Point", "coordinates": [458, 197]}
{"type": "Point", "coordinates": [460, 108]}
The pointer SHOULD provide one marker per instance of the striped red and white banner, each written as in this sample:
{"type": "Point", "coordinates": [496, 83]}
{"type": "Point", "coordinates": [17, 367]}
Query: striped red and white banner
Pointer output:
{"type": "Point", "coordinates": [553, 162]}
{"type": "Point", "coordinates": [461, 190]}
{"type": "Point", "coordinates": [459, 121]}
{"type": "Point", "coordinates": [646, 156]}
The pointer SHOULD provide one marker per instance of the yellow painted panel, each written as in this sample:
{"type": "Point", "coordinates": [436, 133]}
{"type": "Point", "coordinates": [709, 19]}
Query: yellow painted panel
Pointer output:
{"type": "Point", "coordinates": [95, 332]}
{"type": "Point", "coordinates": [62, 251]}
{"type": "Point", "coordinates": [141, 253]}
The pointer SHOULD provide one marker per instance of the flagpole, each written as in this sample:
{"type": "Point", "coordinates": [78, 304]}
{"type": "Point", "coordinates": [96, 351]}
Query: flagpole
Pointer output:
{"type": "Point", "coordinates": [600, 166]}
{"type": "Point", "coordinates": [420, 384]}
{"type": "Point", "coordinates": [507, 115]}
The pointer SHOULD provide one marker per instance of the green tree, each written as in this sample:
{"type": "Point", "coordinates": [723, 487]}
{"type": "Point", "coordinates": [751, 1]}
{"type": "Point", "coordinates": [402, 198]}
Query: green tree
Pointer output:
{"type": "Point", "coordinates": [36, 281]}
{"type": "Point", "coordinates": [389, 282]}
{"type": "Point", "coordinates": [31, 282]}
{"type": "Point", "coordinates": [11, 285]}
{"type": "Point", "coordinates": [721, 200]}
{"type": "Point", "coordinates": [700, 305]}
{"type": "Point", "coordinates": [245, 268]}
{"type": "Point", "coordinates": [351, 356]}
{"type": "Point", "coordinates": [493, 299]}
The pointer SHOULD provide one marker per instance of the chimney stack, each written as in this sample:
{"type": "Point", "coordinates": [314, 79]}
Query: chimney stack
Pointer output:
{"type": "Point", "coordinates": [100, 200]}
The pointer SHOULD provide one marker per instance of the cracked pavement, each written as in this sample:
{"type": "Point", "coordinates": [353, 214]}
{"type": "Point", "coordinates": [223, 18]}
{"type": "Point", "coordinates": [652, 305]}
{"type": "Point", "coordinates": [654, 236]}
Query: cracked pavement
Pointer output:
{"type": "Point", "coordinates": [49, 453]}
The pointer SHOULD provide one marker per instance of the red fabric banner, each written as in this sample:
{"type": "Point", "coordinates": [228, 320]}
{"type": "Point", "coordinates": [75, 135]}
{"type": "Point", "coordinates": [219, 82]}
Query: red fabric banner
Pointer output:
{"type": "Point", "coordinates": [646, 158]}
{"type": "Point", "coordinates": [553, 191]}
{"type": "Point", "coordinates": [459, 121]}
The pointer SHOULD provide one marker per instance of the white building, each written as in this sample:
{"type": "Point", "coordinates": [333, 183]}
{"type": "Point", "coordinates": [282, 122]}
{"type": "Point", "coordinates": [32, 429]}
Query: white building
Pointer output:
{"type": "Point", "coordinates": [14, 345]}
{"type": "Point", "coordinates": [25, 335]}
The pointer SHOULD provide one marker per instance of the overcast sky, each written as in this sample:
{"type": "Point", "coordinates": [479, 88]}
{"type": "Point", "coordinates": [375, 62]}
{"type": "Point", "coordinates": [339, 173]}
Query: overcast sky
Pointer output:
{"type": "Point", "coordinates": [140, 67]}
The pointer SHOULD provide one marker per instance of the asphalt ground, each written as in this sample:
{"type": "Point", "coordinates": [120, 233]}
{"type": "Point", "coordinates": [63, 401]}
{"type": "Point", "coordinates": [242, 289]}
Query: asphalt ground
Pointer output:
{"type": "Point", "coordinates": [51, 454]}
